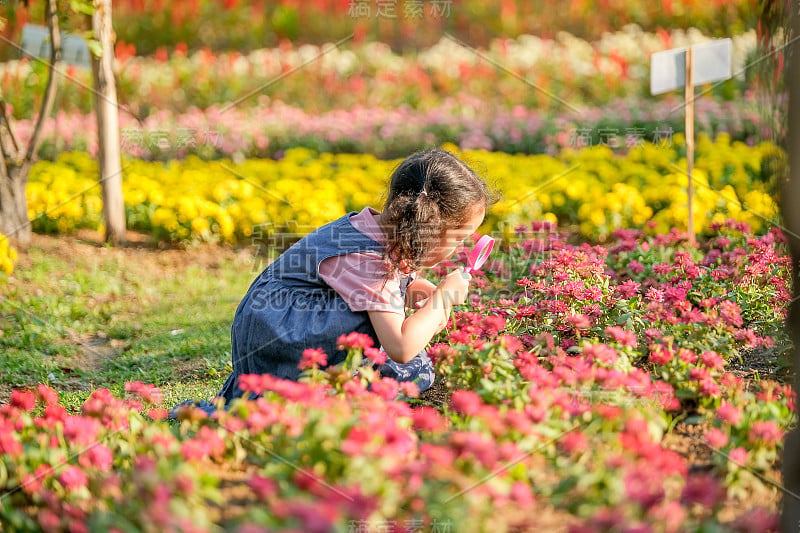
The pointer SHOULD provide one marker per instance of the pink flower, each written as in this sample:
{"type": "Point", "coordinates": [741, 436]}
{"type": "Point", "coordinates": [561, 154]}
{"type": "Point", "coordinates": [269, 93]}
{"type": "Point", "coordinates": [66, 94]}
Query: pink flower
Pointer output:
{"type": "Point", "coordinates": [492, 324]}
{"type": "Point", "coordinates": [704, 490]}
{"type": "Point", "coordinates": [729, 413]}
{"type": "Point", "coordinates": [72, 478]}
{"type": "Point", "coordinates": [652, 334]}
{"type": "Point", "coordinates": [409, 389]}
{"type": "Point", "coordinates": [602, 353]}
{"type": "Point", "coordinates": [716, 438]}
{"type": "Point", "coordinates": [730, 312]}
{"type": "Point", "coordinates": [8, 442]}
{"type": "Point", "coordinates": [375, 355]}
{"type": "Point", "coordinates": [47, 395]}
{"type": "Point", "coordinates": [357, 439]}
{"type": "Point", "coordinates": [148, 393]}
{"type": "Point", "coordinates": [712, 360]}
{"type": "Point", "coordinates": [98, 456]}
{"type": "Point", "coordinates": [670, 515]}
{"type": "Point", "coordinates": [263, 487]}
{"type": "Point", "coordinates": [636, 267]}
{"type": "Point", "coordinates": [765, 431]}
{"type": "Point", "coordinates": [49, 521]}
{"type": "Point", "coordinates": [466, 402]}
{"type": "Point", "coordinates": [427, 419]}
{"type": "Point", "coordinates": [313, 358]}
{"type": "Point", "coordinates": [622, 336]}
{"type": "Point", "coordinates": [655, 295]}
{"type": "Point", "coordinates": [660, 355]}
{"type": "Point", "coordinates": [24, 400]}
{"type": "Point", "coordinates": [81, 430]}
{"type": "Point", "coordinates": [639, 487]}
{"type": "Point", "coordinates": [578, 321]}
{"type": "Point", "coordinates": [662, 268]}
{"type": "Point", "coordinates": [709, 388]}
{"type": "Point", "coordinates": [688, 356]}
{"type": "Point", "coordinates": [738, 456]}
{"type": "Point", "coordinates": [386, 388]}
{"type": "Point", "coordinates": [521, 494]}
{"type": "Point", "coordinates": [354, 340]}
{"type": "Point", "coordinates": [627, 290]}
{"type": "Point", "coordinates": [573, 442]}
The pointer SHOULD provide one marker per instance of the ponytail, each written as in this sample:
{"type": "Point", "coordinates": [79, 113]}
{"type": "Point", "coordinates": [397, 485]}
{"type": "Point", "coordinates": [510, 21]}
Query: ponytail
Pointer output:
{"type": "Point", "coordinates": [428, 192]}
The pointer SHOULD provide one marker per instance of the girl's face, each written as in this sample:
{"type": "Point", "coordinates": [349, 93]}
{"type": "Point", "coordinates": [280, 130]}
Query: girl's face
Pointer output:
{"type": "Point", "coordinates": [452, 238]}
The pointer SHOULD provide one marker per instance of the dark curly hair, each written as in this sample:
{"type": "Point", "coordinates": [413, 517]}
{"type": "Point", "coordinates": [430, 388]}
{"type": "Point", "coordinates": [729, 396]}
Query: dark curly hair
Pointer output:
{"type": "Point", "coordinates": [429, 192]}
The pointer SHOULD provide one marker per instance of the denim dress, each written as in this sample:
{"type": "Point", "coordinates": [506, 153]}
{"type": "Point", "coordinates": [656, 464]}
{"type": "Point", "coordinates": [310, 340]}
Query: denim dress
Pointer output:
{"type": "Point", "coordinates": [289, 308]}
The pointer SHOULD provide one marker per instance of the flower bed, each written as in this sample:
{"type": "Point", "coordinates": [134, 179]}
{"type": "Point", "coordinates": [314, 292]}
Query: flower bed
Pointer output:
{"type": "Point", "coordinates": [593, 189]}
{"type": "Point", "coordinates": [273, 128]}
{"type": "Point", "coordinates": [152, 24]}
{"type": "Point", "coordinates": [550, 74]}
{"type": "Point", "coordinates": [569, 367]}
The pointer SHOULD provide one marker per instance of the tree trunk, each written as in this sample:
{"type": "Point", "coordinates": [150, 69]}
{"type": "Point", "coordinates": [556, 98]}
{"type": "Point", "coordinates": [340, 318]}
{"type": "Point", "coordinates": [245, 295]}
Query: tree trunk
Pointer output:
{"type": "Point", "coordinates": [14, 221]}
{"type": "Point", "coordinates": [108, 125]}
{"type": "Point", "coordinates": [790, 200]}
{"type": "Point", "coordinates": [15, 164]}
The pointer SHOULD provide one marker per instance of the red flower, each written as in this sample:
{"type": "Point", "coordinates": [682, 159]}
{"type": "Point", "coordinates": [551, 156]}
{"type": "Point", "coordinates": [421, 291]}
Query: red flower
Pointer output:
{"type": "Point", "coordinates": [660, 355]}
{"type": "Point", "coordinates": [81, 430]}
{"type": "Point", "coordinates": [703, 489]}
{"type": "Point", "coordinates": [627, 290]}
{"type": "Point", "coordinates": [573, 442]}
{"type": "Point", "coordinates": [24, 400]}
{"type": "Point", "coordinates": [386, 388]}
{"type": "Point", "coordinates": [622, 336]}
{"type": "Point", "coordinates": [466, 402]}
{"type": "Point", "coordinates": [409, 389]}
{"type": "Point", "coordinates": [262, 486]}
{"type": "Point", "coordinates": [729, 413]}
{"type": "Point", "coordinates": [712, 360]}
{"type": "Point", "coordinates": [375, 355]}
{"type": "Point", "coordinates": [72, 478]}
{"type": "Point", "coordinates": [427, 419]}
{"type": "Point", "coordinates": [313, 358]}
{"type": "Point", "coordinates": [578, 321]}
{"type": "Point", "coordinates": [47, 395]}
{"type": "Point", "coordinates": [148, 393]}
{"type": "Point", "coordinates": [716, 438]}
{"type": "Point", "coordinates": [765, 431]}
{"type": "Point", "coordinates": [354, 340]}
{"type": "Point", "coordinates": [738, 456]}
{"type": "Point", "coordinates": [98, 456]}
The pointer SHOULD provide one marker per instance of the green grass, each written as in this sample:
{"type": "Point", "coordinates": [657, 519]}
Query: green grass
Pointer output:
{"type": "Point", "coordinates": [80, 317]}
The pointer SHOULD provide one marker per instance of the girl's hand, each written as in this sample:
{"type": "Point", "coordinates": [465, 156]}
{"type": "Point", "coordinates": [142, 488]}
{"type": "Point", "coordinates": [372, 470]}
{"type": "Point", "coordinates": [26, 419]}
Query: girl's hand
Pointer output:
{"type": "Point", "coordinates": [454, 287]}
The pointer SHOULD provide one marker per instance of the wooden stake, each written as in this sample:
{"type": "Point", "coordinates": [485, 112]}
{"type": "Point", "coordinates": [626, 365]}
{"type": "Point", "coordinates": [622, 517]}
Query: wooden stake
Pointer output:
{"type": "Point", "coordinates": [689, 111]}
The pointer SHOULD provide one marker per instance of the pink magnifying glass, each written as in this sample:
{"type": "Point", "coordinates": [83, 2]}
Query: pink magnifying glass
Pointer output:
{"type": "Point", "coordinates": [476, 258]}
{"type": "Point", "coordinates": [479, 254]}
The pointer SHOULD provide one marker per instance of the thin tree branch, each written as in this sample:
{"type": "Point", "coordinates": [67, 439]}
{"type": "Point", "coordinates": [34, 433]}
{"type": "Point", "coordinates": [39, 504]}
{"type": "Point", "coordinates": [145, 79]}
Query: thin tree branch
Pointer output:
{"type": "Point", "coordinates": [13, 151]}
{"type": "Point", "coordinates": [51, 14]}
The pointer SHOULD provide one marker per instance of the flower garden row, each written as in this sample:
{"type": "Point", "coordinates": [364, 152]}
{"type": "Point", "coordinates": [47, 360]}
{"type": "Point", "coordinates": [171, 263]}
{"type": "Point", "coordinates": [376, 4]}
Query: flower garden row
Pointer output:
{"type": "Point", "coordinates": [529, 71]}
{"type": "Point", "coordinates": [593, 189]}
{"type": "Point", "coordinates": [274, 127]}
{"type": "Point", "coordinates": [151, 24]}
{"type": "Point", "coordinates": [570, 367]}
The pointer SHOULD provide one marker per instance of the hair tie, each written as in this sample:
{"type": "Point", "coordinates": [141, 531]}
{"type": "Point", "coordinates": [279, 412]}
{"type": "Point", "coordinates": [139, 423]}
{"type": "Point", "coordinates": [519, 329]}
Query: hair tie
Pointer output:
{"type": "Point", "coordinates": [423, 192]}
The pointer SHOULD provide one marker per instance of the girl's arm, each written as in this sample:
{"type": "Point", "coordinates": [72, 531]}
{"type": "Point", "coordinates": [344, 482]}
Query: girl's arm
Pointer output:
{"type": "Point", "coordinates": [419, 289]}
{"type": "Point", "coordinates": [403, 338]}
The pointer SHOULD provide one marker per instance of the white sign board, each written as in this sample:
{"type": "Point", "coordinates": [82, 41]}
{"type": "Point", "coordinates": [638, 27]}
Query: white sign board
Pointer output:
{"type": "Point", "coordinates": [710, 62]}
{"type": "Point", "coordinates": [36, 43]}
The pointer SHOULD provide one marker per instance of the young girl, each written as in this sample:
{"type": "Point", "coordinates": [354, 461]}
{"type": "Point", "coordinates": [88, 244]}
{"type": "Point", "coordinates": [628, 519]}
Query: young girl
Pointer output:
{"type": "Point", "coordinates": [359, 273]}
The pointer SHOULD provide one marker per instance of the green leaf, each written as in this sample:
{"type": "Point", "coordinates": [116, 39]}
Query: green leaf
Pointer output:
{"type": "Point", "coordinates": [95, 47]}
{"type": "Point", "coordinates": [82, 6]}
